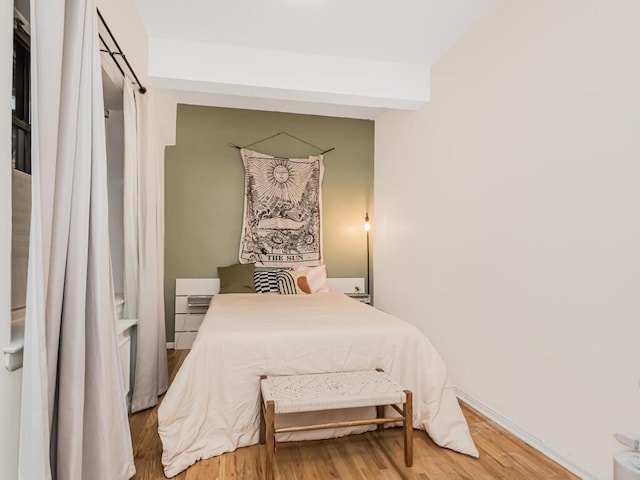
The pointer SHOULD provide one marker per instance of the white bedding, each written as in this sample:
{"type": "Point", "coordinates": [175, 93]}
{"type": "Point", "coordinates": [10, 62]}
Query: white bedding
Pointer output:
{"type": "Point", "coordinates": [212, 406]}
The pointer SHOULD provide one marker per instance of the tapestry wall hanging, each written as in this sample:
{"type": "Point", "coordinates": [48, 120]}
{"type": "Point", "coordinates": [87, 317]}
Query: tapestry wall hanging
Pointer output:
{"type": "Point", "coordinates": [282, 210]}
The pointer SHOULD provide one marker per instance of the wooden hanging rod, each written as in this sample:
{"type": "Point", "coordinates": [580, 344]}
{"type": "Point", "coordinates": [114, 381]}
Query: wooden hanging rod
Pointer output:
{"type": "Point", "coordinates": [322, 151]}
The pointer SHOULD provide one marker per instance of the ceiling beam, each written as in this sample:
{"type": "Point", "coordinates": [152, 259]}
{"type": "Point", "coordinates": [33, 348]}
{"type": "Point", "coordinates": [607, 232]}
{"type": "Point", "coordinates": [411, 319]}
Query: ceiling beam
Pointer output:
{"type": "Point", "coordinates": [282, 78]}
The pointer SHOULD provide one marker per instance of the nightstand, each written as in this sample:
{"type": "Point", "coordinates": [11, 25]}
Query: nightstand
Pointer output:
{"type": "Point", "coordinates": [193, 296]}
{"type": "Point", "coordinates": [361, 297]}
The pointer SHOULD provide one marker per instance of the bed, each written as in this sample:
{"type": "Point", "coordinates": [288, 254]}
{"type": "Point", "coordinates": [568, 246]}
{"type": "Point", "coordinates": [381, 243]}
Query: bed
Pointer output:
{"type": "Point", "coordinates": [212, 406]}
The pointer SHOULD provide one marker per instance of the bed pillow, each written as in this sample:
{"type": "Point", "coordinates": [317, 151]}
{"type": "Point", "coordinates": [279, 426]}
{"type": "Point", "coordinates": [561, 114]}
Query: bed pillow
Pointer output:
{"type": "Point", "coordinates": [293, 283]}
{"type": "Point", "coordinates": [316, 277]}
{"type": "Point", "coordinates": [266, 281]}
{"type": "Point", "coordinates": [237, 278]}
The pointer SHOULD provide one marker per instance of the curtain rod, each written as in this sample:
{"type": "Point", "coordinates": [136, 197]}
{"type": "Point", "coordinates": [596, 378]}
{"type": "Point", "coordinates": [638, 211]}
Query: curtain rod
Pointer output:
{"type": "Point", "coordinates": [119, 53]}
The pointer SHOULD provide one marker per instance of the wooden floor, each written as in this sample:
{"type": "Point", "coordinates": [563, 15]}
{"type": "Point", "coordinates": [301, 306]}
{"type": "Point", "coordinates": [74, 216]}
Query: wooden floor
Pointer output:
{"type": "Point", "coordinates": [368, 456]}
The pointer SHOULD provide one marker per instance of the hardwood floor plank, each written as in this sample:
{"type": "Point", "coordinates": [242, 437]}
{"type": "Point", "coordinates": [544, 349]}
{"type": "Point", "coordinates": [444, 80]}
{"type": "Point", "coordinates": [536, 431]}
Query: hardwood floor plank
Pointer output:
{"type": "Point", "coordinates": [368, 456]}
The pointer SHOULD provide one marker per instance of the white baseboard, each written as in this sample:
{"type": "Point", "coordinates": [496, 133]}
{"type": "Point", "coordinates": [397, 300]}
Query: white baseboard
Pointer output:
{"type": "Point", "coordinates": [171, 345]}
{"type": "Point", "coordinates": [543, 447]}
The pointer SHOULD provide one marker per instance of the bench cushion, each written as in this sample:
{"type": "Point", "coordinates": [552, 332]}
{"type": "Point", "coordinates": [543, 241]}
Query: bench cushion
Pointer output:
{"type": "Point", "coordinates": [328, 391]}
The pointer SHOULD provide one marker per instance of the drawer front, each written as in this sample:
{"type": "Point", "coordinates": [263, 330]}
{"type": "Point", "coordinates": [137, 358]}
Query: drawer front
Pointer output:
{"type": "Point", "coordinates": [182, 306]}
{"type": "Point", "coordinates": [188, 322]}
{"type": "Point", "coordinates": [184, 340]}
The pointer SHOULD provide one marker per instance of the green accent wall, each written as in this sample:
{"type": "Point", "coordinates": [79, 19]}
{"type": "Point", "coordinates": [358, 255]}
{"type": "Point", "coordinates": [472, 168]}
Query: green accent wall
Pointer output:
{"type": "Point", "coordinates": [204, 184]}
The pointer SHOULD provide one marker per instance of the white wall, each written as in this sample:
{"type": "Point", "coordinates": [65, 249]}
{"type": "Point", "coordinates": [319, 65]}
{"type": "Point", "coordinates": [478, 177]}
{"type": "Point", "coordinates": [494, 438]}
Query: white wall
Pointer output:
{"type": "Point", "coordinates": [508, 219]}
{"type": "Point", "coordinates": [125, 23]}
{"type": "Point", "coordinates": [114, 126]}
{"type": "Point", "coordinates": [10, 382]}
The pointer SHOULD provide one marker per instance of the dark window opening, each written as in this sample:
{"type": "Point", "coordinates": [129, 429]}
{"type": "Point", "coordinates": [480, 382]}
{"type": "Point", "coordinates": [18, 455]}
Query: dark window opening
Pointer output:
{"type": "Point", "coordinates": [21, 118]}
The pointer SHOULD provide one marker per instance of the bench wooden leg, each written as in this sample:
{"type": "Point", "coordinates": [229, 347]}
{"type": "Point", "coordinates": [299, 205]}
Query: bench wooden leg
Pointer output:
{"type": "Point", "coordinates": [270, 439]}
{"type": "Point", "coordinates": [380, 414]}
{"type": "Point", "coordinates": [408, 428]}
{"type": "Point", "coordinates": [262, 423]}
{"type": "Point", "coordinates": [261, 406]}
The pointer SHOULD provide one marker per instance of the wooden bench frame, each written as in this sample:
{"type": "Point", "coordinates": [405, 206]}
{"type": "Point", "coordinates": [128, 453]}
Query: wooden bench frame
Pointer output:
{"type": "Point", "coordinates": [268, 430]}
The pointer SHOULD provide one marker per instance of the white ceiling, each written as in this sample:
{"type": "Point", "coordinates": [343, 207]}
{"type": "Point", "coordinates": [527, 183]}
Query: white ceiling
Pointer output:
{"type": "Point", "coordinates": [381, 35]}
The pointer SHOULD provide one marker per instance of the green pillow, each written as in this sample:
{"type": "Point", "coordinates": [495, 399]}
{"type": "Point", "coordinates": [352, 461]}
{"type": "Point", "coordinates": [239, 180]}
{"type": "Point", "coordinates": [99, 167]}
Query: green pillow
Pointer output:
{"type": "Point", "coordinates": [237, 278]}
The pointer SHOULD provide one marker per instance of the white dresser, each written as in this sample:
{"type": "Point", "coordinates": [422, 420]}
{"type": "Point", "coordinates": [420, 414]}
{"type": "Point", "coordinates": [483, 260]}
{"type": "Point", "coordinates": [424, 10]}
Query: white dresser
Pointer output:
{"type": "Point", "coordinates": [193, 296]}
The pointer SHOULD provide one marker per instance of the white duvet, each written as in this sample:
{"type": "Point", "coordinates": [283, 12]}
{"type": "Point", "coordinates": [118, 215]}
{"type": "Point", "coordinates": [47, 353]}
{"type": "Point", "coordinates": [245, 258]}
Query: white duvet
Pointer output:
{"type": "Point", "coordinates": [212, 406]}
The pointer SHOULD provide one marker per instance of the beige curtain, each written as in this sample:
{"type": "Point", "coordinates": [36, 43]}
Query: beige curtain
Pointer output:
{"type": "Point", "coordinates": [130, 201]}
{"type": "Point", "coordinates": [144, 245]}
{"type": "Point", "coordinates": [74, 421]}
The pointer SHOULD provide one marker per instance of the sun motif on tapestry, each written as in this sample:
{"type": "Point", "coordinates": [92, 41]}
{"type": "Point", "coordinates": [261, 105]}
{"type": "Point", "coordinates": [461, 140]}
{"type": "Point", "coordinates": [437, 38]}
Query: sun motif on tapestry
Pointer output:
{"type": "Point", "coordinates": [280, 178]}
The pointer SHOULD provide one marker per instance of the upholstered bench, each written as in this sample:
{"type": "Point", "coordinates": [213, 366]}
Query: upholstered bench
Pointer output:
{"type": "Point", "coordinates": [329, 391]}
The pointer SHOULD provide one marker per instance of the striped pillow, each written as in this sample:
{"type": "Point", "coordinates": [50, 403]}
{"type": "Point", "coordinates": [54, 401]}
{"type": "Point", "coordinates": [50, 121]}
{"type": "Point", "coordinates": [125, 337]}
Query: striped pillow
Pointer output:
{"type": "Point", "coordinates": [317, 278]}
{"type": "Point", "coordinates": [266, 281]}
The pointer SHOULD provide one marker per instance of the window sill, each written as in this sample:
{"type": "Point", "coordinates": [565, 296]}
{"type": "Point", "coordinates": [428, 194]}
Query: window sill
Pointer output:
{"type": "Point", "coordinates": [13, 355]}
